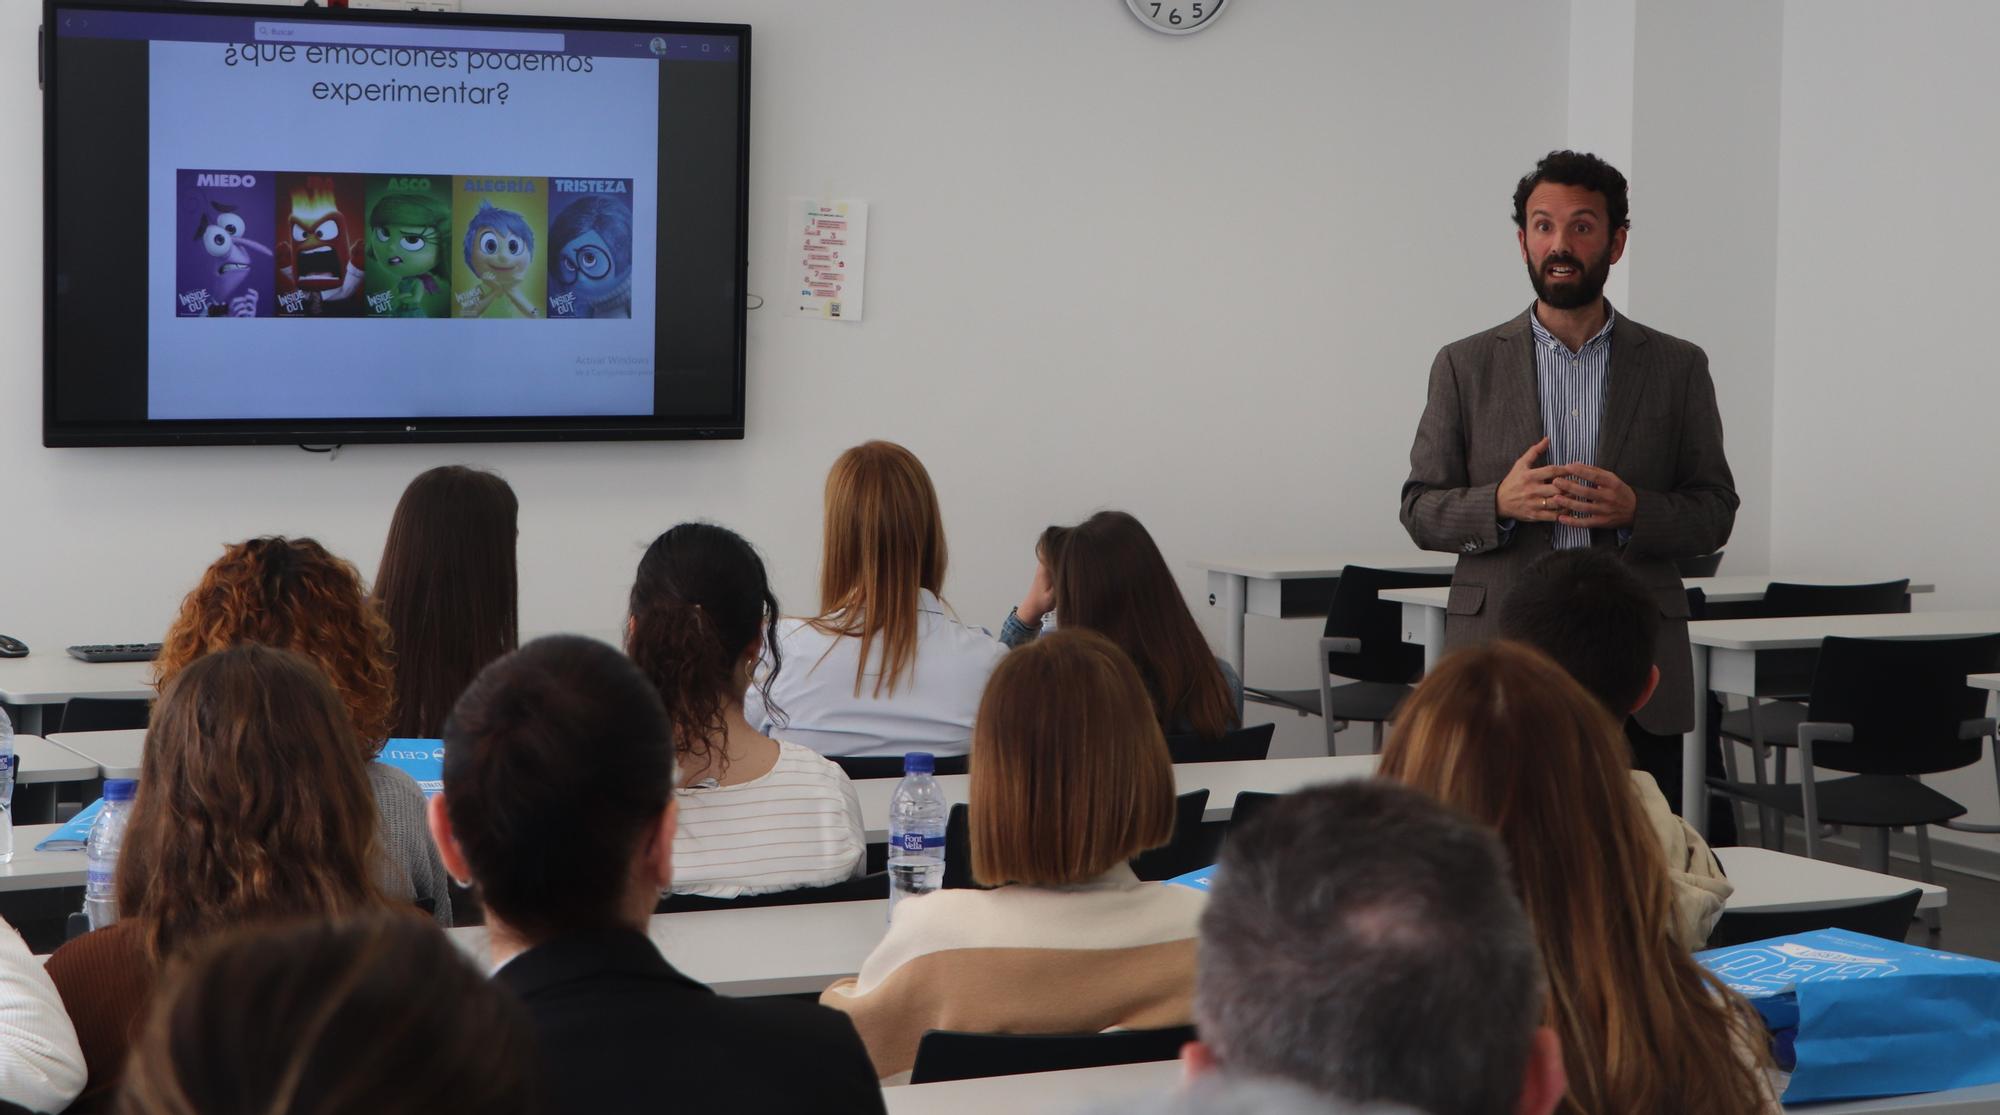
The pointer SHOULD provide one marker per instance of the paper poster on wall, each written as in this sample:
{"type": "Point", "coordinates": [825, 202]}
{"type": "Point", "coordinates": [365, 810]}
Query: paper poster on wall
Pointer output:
{"type": "Point", "coordinates": [832, 238]}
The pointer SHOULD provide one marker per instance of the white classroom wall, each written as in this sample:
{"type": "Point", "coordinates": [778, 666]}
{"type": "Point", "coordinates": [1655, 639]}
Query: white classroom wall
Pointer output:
{"type": "Point", "coordinates": [1200, 279]}
{"type": "Point", "coordinates": [1886, 394]}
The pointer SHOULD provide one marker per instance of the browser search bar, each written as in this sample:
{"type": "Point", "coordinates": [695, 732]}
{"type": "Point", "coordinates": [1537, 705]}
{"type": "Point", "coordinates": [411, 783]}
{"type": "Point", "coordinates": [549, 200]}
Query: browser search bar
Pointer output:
{"type": "Point", "coordinates": [436, 38]}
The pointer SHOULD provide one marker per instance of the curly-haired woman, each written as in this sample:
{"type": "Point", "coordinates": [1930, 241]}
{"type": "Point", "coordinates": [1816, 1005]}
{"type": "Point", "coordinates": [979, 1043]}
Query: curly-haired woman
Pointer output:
{"type": "Point", "coordinates": [292, 594]}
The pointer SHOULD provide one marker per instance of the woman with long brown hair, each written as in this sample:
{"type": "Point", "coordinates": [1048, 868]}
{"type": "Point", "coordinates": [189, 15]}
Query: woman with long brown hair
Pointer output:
{"type": "Point", "coordinates": [1106, 574]}
{"type": "Point", "coordinates": [292, 594]}
{"type": "Point", "coordinates": [449, 590]}
{"type": "Point", "coordinates": [756, 814]}
{"type": "Point", "coordinates": [1505, 735]}
{"type": "Point", "coordinates": [1070, 779]}
{"type": "Point", "coordinates": [323, 1018]}
{"type": "Point", "coordinates": [250, 808]}
{"type": "Point", "coordinates": [884, 667]}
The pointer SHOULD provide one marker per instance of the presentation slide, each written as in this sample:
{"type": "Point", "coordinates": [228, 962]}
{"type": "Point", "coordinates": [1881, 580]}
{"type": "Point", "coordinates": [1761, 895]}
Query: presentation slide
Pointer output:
{"type": "Point", "coordinates": [386, 230]}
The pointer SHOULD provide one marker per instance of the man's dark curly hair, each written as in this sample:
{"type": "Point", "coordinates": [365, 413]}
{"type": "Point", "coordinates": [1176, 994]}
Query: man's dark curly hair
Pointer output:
{"type": "Point", "coordinates": [1575, 168]}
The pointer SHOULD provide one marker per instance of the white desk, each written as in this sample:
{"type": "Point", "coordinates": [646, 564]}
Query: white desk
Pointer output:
{"type": "Point", "coordinates": [1076, 1089]}
{"type": "Point", "coordinates": [1424, 614]}
{"type": "Point", "coordinates": [1725, 660]}
{"type": "Point", "coordinates": [117, 754]}
{"type": "Point", "coordinates": [49, 676]}
{"type": "Point", "coordinates": [1288, 585]}
{"type": "Point", "coordinates": [42, 761]}
{"type": "Point", "coordinates": [770, 950]}
{"type": "Point", "coordinates": [32, 870]}
{"type": "Point", "coordinates": [1057, 1093]}
{"type": "Point", "coordinates": [1223, 781]}
{"type": "Point", "coordinates": [1775, 882]}
{"type": "Point", "coordinates": [1983, 681]}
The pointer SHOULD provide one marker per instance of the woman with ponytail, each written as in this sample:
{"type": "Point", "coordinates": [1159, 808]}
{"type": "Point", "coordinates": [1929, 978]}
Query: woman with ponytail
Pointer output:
{"type": "Point", "coordinates": [756, 814]}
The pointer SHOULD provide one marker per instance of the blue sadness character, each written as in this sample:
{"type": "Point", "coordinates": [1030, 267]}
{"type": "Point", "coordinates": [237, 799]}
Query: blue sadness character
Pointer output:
{"type": "Point", "coordinates": [592, 271]}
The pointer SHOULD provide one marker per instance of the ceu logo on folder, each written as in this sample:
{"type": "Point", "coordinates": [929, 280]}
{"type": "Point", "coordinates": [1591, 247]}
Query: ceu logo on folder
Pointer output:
{"type": "Point", "coordinates": [1200, 880]}
{"type": "Point", "coordinates": [421, 759]}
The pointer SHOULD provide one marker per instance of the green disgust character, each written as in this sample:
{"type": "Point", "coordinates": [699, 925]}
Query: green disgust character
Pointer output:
{"type": "Point", "coordinates": [405, 236]}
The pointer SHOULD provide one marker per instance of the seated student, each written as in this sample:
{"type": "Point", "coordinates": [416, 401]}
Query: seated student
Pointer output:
{"type": "Point", "coordinates": [448, 589]}
{"type": "Point", "coordinates": [1365, 941]}
{"type": "Point", "coordinates": [756, 814]}
{"type": "Point", "coordinates": [1106, 574]}
{"type": "Point", "coordinates": [1070, 779]}
{"type": "Point", "coordinates": [884, 668]}
{"type": "Point", "coordinates": [382, 1015]}
{"type": "Point", "coordinates": [1503, 734]}
{"type": "Point", "coordinates": [290, 593]}
{"type": "Point", "coordinates": [41, 1065]}
{"type": "Point", "coordinates": [558, 803]}
{"type": "Point", "coordinates": [1584, 609]}
{"type": "Point", "coordinates": [250, 808]}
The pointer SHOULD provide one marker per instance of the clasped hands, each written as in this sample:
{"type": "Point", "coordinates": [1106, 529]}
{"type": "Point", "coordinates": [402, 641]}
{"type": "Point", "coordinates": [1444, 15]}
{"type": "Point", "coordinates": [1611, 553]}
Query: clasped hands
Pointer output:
{"type": "Point", "coordinates": [1574, 495]}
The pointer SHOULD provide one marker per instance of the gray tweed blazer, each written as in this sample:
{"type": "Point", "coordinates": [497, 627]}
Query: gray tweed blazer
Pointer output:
{"type": "Point", "coordinates": [1661, 434]}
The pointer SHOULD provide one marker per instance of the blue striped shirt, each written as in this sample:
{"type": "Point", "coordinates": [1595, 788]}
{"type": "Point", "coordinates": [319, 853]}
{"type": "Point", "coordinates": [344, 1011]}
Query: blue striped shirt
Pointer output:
{"type": "Point", "coordinates": [1572, 390]}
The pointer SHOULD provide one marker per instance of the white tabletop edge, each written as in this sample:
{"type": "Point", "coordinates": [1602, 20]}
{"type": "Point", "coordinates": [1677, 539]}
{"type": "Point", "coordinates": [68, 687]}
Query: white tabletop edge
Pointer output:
{"type": "Point", "coordinates": [1292, 567]}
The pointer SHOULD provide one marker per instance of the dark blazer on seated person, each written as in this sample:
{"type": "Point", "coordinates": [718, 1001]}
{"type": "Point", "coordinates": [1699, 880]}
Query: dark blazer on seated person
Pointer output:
{"type": "Point", "coordinates": [621, 1030]}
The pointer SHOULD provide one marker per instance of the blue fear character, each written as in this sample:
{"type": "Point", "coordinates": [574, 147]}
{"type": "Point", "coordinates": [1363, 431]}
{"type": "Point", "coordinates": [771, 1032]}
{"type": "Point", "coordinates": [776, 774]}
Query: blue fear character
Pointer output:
{"type": "Point", "coordinates": [592, 275]}
{"type": "Point", "coordinates": [500, 248]}
{"type": "Point", "coordinates": [219, 230]}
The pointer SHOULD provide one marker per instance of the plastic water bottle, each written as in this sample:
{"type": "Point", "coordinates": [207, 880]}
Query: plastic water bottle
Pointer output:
{"type": "Point", "coordinates": [6, 788]}
{"type": "Point", "coordinates": [916, 831]}
{"type": "Point", "coordinates": [100, 881]}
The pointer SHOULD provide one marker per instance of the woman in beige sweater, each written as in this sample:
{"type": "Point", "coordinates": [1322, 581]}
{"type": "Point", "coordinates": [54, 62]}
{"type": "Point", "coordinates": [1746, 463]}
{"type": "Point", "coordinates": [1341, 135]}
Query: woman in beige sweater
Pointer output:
{"type": "Point", "coordinates": [1070, 779]}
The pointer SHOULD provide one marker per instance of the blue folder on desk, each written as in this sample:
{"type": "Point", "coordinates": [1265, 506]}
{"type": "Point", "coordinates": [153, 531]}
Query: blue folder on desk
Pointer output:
{"type": "Point", "coordinates": [1195, 880]}
{"type": "Point", "coordinates": [421, 759]}
{"type": "Point", "coordinates": [74, 833]}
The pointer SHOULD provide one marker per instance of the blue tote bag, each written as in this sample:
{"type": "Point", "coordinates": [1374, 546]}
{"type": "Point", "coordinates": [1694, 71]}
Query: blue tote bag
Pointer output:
{"type": "Point", "coordinates": [1863, 1016]}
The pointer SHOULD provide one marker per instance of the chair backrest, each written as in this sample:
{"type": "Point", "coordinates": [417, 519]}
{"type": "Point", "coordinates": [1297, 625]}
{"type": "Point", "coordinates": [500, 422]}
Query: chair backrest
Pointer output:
{"type": "Point", "coordinates": [1783, 598]}
{"type": "Point", "coordinates": [1877, 917]}
{"type": "Point", "coordinates": [1248, 802]}
{"type": "Point", "coordinates": [1253, 742]}
{"type": "Point", "coordinates": [1906, 699]}
{"type": "Point", "coordinates": [1704, 565]}
{"type": "Point", "coordinates": [1189, 849]}
{"type": "Point", "coordinates": [950, 1055]}
{"type": "Point", "coordinates": [103, 714]}
{"type": "Point", "coordinates": [861, 888]}
{"type": "Point", "coordinates": [859, 767]}
{"type": "Point", "coordinates": [1358, 612]}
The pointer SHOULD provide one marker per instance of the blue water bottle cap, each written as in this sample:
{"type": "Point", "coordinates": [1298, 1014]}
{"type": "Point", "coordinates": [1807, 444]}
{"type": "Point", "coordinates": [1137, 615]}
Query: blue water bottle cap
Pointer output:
{"type": "Point", "coordinates": [120, 789]}
{"type": "Point", "coordinates": [918, 762]}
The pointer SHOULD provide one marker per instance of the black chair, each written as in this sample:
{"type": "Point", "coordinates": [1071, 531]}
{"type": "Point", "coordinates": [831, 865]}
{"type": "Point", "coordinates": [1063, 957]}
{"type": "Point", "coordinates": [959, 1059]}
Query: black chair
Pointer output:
{"type": "Point", "coordinates": [1888, 918]}
{"type": "Point", "coordinates": [858, 889]}
{"type": "Point", "coordinates": [1248, 802]}
{"type": "Point", "coordinates": [1191, 847]}
{"type": "Point", "coordinates": [1885, 710]}
{"type": "Point", "coordinates": [859, 767]}
{"type": "Point", "coordinates": [1253, 742]}
{"type": "Point", "coordinates": [1363, 642]}
{"type": "Point", "coordinates": [103, 714]}
{"type": "Point", "coordinates": [1702, 566]}
{"type": "Point", "coordinates": [1774, 713]}
{"type": "Point", "coordinates": [951, 1055]}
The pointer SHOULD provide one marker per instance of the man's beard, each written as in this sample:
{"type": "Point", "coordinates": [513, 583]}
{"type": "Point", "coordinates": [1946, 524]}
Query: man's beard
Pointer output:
{"type": "Point", "coordinates": [1583, 290]}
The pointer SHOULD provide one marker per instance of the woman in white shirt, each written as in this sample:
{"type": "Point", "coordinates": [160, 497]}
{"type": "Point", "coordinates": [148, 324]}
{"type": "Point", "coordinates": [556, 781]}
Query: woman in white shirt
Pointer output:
{"type": "Point", "coordinates": [41, 1064]}
{"type": "Point", "coordinates": [885, 667]}
{"type": "Point", "coordinates": [756, 814]}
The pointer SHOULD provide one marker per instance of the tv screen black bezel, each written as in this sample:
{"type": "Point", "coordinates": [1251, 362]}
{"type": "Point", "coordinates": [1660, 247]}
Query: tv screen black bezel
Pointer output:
{"type": "Point", "coordinates": [317, 432]}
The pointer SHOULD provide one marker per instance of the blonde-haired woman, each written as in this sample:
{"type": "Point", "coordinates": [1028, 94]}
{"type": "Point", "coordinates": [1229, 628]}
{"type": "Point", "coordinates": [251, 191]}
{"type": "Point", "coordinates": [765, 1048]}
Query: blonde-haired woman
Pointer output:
{"type": "Point", "coordinates": [885, 667]}
{"type": "Point", "coordinates": [1507, 736]}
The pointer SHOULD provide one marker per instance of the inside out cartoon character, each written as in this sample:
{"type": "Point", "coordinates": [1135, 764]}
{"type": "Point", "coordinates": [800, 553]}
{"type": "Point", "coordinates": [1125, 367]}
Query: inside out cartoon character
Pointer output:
{"type": "Point", "coordinates": [324, 256]}
{"type": "Point", "coordinates": [592, 276]}
{"type": "Point", "coordinates": [405, 238]}
{"type": "Point", "coordinates": [219, 229]}
{"type": "Point", "coordinates": [500, 248]}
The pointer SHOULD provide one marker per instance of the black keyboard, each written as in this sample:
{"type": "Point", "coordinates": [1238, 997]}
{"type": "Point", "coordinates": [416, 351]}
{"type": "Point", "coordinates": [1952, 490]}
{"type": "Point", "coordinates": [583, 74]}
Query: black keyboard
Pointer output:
{"type": "Point", "coordinates": [115, 652]}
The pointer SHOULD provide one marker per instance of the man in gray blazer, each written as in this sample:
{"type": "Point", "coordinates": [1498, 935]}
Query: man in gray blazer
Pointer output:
{"type": "Point", "coordinates": [1573, 426]}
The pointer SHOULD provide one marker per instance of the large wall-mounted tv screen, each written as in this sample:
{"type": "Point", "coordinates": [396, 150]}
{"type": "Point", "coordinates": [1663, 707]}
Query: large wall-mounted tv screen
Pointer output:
{"type": "Point", "coordinates": [286, 225]}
